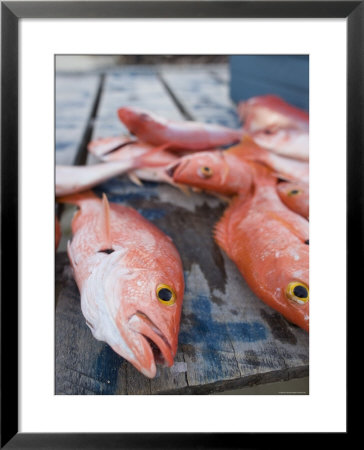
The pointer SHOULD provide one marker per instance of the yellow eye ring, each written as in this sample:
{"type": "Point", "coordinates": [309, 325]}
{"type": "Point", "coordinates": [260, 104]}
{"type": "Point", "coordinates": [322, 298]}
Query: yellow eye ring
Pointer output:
{"type": "Point", "coordinates": [206, 171]}
{"type": "Point", "coordinates": [166, 294]}
{"type": "Point", "coordinates": [297, 292]}
{"type": "Point", "coordinates": [294, 192]}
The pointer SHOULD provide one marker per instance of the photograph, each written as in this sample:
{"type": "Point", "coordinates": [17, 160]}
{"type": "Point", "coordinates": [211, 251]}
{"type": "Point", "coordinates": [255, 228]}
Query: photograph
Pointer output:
{"type": "Point", "coordinates": [177, 179]}
{"type": "Point", "coordinates": [181, 224]}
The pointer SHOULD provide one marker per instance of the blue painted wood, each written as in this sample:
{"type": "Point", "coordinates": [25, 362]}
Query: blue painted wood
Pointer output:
{"type": "Point", "coordinates": [284, 75]}
{"type": "Point", "coordinates": [228, 337]}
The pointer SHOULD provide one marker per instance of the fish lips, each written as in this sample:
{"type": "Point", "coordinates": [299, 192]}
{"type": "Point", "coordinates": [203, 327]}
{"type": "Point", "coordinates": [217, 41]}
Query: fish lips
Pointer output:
{"type": "Point", "coordinates": [157, 343]}
{"type": "Point", "coordinates": [174, 170]}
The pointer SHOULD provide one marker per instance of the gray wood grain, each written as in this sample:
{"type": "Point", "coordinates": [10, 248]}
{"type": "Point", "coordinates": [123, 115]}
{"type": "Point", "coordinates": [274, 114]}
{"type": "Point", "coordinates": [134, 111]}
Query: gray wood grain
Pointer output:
{"type": "Point", "coordinates": [132, 86]}
{"type": "Point", "coordinates": [203, 95]}
{"type": "Point", "coordinates": [75, 95]}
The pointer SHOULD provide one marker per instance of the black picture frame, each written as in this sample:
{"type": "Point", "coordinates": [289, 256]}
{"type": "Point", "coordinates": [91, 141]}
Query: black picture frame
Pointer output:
{"type": "Point", "coordinates": [11, 13]}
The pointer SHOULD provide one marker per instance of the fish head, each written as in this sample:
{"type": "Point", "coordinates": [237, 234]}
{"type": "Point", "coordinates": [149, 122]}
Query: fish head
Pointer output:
{"type": "Point", "coordinates": [293, 287]}
{"type": "Point", "coordinates": [295, 195]}
{"type": "Point", "coordinates": [208, 171]}
{"type": "Point", "coordinates": [129, 116]}
{"type": "Point", "coordinates": [272, 136]}
{"type": "Point", "coordinates": [270, 110]}
{"type": "Point", "coordinates": [138, 121]}
{"type": "Point", "coordinates": [139, 305]}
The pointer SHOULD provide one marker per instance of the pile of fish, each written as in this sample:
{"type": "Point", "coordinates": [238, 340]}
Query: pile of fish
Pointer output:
{"type": "Point", "coordinates": [130, 274]}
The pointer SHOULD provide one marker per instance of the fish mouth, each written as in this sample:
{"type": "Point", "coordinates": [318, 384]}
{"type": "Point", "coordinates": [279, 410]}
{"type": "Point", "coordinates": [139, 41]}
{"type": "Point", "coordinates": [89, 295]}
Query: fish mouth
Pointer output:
{"type": "Point", "coordinates": [176, 168]}
{"type": "Point", "coordinates": [158, 343]}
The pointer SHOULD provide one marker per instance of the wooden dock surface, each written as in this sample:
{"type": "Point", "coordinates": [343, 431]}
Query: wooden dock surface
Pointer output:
{"type": "Point", "coordinates": [228, 337]}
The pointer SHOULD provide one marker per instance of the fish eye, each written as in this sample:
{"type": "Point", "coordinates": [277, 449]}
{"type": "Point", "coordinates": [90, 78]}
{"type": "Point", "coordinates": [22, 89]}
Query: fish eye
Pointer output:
{"type": "Point", "coordinates": [294, 192]}
{"type": "Point", "coordinates": [297, 292]}
{"type": "Point", "coordinates": [206, 171]}
{"type": "Point", "coordinates": [166, 294]}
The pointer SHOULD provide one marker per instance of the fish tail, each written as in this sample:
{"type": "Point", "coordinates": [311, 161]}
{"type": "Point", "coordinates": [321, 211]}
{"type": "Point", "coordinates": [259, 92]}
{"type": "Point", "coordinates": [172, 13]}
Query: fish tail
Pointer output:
{"type": "Point", "coordinates": [76, 199]}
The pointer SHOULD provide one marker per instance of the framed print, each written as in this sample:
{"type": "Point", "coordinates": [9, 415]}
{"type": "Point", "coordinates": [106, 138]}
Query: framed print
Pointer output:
{"type": "Point", "coordinates": [39, 39]}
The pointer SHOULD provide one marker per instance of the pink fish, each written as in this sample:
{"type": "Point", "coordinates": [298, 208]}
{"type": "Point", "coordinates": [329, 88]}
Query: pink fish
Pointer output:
{"type": "Point", "coordinates": [183, 135]}
{"type": "Point", "coordinates": [276, 125]}
{"type": "Point", "coordinates": [269, 244]}
{"type": "Point", "coordinates": [72, 179]}
{"type": "Point", "coordinates": [289, 142]}
{"type": "Point", "coordinates": [103, 146]}
{"type": "Point", "coordinates": [267, 111]}
{"type": "Point", "coordinates": [218, 171]}
{"type": "Point", "coordinates": [229, 172]}
{"type": "Point", "coordinates": [130, 150]}
{"type": "Point", "coordinates": [286, 168]}
{"type": "Point", "coordinates": [295, 195]}
{"type": "Point", "coordinates": [130, 279]}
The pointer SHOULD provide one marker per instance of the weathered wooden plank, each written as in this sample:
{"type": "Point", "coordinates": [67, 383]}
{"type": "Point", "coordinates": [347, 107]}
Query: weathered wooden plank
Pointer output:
{"type": "Point", "coordinates": [204, 96]}
{"type": "Point", "coordinates": [75, 95]}
{"type": "Point", "coordinates": [228, 337]}
{"type": "Point", "coordinates": [130, 88]}
{"type": "Point", "coordinates": [83, 364]}
{"type": "Point", "coordinates": [137, 87]}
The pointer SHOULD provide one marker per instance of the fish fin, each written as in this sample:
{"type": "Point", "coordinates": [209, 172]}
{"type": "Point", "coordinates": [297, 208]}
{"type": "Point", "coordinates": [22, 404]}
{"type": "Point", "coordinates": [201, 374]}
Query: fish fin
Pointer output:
{"type": "Point", "coordinates": [256, 156]}
{"type": "Point", "coordinates": [221, 228]}
{"type": "Point", "coordinates": [135, 179]}
{"type": "Point", "coordinates": [248, 149]}
{"type": "Point", "coordinates": [76, 199]}
{"type": "Point", "coordinates": [106, 220]}
{"type": "Point", "coordinates": [184, 189]}
{"type": "Point", "coordinates": [221, 232]}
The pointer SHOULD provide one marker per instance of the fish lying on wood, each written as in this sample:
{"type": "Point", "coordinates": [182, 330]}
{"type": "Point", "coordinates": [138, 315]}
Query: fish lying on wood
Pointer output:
{"type": "Point", "coordinates": [130, 150]}
{"type": "Point", "coordinates": [72, 179]}
{"type": "Point", "coordinates": [130, 279]}
{"type": "Point", "coordinates": [229, 171]}
{"type": "Point", "coordinates": [276, 125]}
{"type": "Point", "coordinates": [215, 170]}
{"type": "Point", "coordinates": [295, 195]}
{"type": "Point", "coordinates": [285, 168]}
{"type": "Point", "coordinates": [268, 111]}
{"type": "Point", "coordinates": [183, 135]}
{"type": "Point", "coordinates": [269, 244]}
{"type": "Point", "coordinates": [267, 241]}
{"type": "Point", "coordinates": [154, 161]}
{"type": "Point", "coordinates": [288, 142]}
